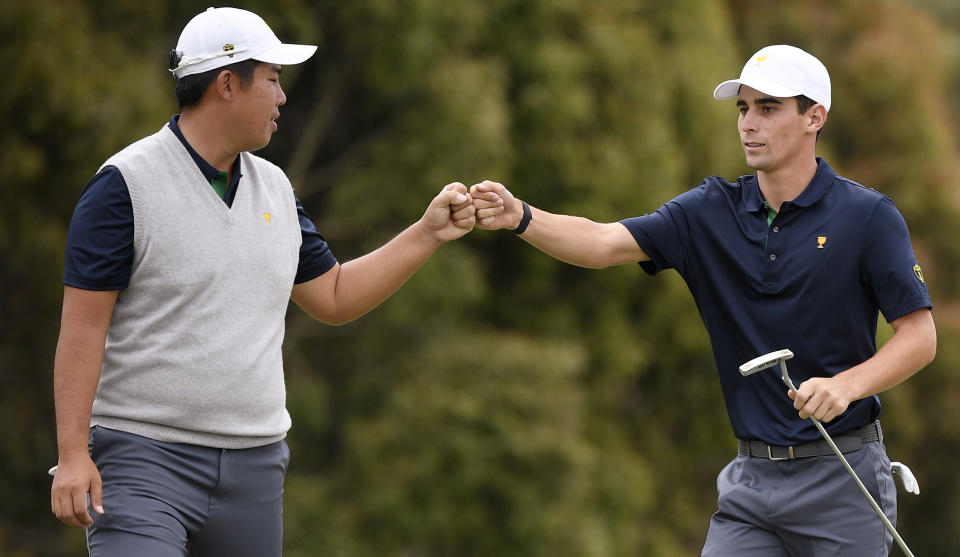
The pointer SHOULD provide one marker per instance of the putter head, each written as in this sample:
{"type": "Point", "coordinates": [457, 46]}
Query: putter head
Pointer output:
{"type": "Point", "coordinates": [761, 363]}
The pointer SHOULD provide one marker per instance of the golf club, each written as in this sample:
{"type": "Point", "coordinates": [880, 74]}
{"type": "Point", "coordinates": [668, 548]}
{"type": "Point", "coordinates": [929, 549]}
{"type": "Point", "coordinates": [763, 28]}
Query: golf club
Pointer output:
{"type": "Point", "coordinates": [771, 359]}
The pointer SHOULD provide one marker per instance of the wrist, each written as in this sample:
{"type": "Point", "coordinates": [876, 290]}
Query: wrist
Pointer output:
{"type": "Point", "coordinates": [525, 218]}
{"type": "Point", "coordinates": [73, 437]}
{"type": "Point", "coordinates": [72, 453]}
{"type": "Point", "coordinates": [427, 234]}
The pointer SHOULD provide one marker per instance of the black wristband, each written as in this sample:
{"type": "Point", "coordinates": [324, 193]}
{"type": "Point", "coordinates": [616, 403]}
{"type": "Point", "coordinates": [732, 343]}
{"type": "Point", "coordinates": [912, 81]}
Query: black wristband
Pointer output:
{"type": "Point", "coordinates": [527, 215]}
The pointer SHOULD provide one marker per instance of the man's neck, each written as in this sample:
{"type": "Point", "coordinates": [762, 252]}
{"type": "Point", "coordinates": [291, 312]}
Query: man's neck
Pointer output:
{"type": "Point", "coordinates": [204, 134]}
{"type": "Point", "coordinates": [787, 182]}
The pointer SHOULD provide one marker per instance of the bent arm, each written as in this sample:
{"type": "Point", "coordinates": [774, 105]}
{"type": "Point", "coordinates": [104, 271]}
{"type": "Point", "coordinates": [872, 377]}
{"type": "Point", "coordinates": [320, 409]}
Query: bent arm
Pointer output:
{"type": "Point", "coordinates": [575, 240]}
{"type": "Point", "coordinates": [912, 346]}
{"type": "Point", "coordinates": [348, 291]}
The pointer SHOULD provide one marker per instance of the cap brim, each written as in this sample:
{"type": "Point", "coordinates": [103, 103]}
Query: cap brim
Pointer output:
{"type": "Point", "coordinates": [286, 54]}
{"type": "Point", "coordinates": [731, 88]}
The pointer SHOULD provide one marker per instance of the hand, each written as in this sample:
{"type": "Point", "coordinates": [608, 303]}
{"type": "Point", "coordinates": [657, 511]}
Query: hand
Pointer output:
{"type": "Point", "coordinates": [496, 207]}
{"type": "Point", "coordinates": [824, 398]}
{"type": "Point", "coordinates": [450, 214]}
{"type": "Point", "coordinates": [74, 480]}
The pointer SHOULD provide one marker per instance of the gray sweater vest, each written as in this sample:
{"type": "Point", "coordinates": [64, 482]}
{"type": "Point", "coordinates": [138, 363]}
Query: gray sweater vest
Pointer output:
{"type": "Point", "coordinates": [193, 353]}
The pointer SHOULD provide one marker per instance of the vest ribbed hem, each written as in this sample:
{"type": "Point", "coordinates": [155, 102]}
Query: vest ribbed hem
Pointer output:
{"type": "Point", "coordinates": [173, 435]}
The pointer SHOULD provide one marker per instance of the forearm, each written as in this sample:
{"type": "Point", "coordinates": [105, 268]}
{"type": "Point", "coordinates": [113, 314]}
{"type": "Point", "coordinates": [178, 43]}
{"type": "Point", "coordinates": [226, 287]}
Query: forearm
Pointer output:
{"type": "Point", "coordinates": [575, 240]}
{"type": "Point", "coordinates": [76, 372]}
{"type": "Point", "coordinates": [366, 282]}
{"type": "Point", "coordinates": [76, 369]}
{"type": "Point", "coordinates": [580, 241]}
{"type": "Point", "coordinates": [912, 346]}
{"type": "Point", "coordinates": [356, 287]}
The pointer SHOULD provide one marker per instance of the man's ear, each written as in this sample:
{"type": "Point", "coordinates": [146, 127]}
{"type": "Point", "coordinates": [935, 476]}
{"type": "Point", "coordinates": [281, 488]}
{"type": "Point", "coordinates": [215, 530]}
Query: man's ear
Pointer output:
{"type": "Point", "coordinates": [816, 117]}
{"type": "Point", "coordinates": [225, 84]}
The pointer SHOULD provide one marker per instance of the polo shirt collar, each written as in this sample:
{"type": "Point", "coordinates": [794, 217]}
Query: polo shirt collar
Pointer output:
{"type": "Point", "coordinates": [816, 189]}
{"type": "Point", "coordinates": [209, 172]}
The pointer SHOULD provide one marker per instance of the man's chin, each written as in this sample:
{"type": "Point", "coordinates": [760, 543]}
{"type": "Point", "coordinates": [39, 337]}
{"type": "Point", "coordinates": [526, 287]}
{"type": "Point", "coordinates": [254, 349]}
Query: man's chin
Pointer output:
{"type": "Point", "coordinates": [259, 146]}
{"type": "Point", "coordinates": [756, 164]}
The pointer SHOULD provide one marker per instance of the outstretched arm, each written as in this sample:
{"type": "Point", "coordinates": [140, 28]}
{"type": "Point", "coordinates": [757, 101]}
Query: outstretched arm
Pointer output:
{"type": "Point", "coordinates": [348, 291]}
{"type": "Point", "coordinates": [575, 240]}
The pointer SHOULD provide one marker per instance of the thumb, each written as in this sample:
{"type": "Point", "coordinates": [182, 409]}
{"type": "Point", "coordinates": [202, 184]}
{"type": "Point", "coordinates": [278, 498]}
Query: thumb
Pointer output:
{"type": "Point", "coordinates": [455, 197]}
{"type": "Point", "coordinates": [96, 495]}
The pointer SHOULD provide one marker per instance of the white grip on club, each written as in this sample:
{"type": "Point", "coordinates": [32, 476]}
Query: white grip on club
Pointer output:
{"type": "Point", "coordinates": [906, 476]}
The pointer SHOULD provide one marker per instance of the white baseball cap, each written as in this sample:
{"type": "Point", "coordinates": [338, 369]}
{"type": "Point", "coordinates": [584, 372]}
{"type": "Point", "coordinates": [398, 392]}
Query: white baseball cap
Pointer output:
{"type": "Point", "coordinates": [223, 36]}
{"type": "Point", "coordinates": [781, 71]}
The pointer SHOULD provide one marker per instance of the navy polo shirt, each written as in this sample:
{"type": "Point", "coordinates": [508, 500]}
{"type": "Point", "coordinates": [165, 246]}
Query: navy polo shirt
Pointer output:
{"type": "Point", "coordinates": [813, 281]}
{"type": "Point", "coordinates": [99, 252]}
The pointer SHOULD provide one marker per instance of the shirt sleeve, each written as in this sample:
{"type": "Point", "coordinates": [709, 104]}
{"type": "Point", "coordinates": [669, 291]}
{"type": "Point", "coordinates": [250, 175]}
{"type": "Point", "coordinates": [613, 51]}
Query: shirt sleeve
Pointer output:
{"type": "Point", "coordinates": [99, 251]}
{"type": "Point", "coordinates": [664, 235]}
{"type": "Point", "coordinates": [315, 255]}
{"type": "Point", "coordinates": [890, 267]}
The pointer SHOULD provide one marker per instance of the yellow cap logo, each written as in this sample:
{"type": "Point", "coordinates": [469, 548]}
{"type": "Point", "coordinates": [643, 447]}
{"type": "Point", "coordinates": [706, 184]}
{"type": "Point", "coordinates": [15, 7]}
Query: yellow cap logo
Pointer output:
{"type": "Point", "coordinates": [760, 59]}
{"type": "Point", "coordinates": [820, 241]}
{"type": "Point", "coordinates": [227, 48]}
{"type": "Point", "coordinates": [919, 273]}
{"type": "Point", "coordinates": [266, 217]}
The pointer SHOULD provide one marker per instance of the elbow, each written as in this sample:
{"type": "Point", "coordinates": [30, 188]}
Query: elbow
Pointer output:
{"type": "Point", "coordinates": [331, 318]}
{"type": "Point", "coordinates": [931, 349]}
{"type": "Point", "coordinates": [335, 316]}
{"type": "Point", "coordinates": [336, 321]}
{"type": "Point", "coordinates": [593, 263]}
{"type": "Point", "coordinates": [613, 246]}
{"type": "Point", "coordinates": [926, 344]}
{"type": "Point", "coordinates": [321, 312]}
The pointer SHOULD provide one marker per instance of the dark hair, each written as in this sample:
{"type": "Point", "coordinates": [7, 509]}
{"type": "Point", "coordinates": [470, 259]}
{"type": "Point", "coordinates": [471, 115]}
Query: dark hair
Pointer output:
{"type": "Point", "coordinates": [190, 88]}
{"type": "Point", "coordinates": [804, 103]}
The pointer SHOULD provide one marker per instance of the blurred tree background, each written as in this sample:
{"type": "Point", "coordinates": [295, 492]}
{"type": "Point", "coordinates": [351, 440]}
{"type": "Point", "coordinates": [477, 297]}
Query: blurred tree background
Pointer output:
{"type": "Point", "coordinates": [502, 403]}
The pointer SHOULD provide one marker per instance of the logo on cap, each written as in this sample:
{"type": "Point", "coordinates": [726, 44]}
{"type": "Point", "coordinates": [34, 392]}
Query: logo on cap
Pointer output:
{"type": "Point", "coordinates": [760, 59]}
{"type": "Point", "coordinates": [227, 48]}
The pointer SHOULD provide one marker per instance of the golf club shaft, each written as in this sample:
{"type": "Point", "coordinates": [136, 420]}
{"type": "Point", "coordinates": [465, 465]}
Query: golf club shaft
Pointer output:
{"type": "Point", "coordinates": [829, 440]}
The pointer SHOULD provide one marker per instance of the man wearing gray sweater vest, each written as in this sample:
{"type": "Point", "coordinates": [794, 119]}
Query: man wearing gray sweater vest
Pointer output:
{"type": "Point", "coordinates": [182, 255]}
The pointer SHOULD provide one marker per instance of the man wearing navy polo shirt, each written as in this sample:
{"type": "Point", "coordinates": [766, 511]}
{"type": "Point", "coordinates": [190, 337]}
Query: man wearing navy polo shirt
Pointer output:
{"type": "Point", "coordinates": [182, 256]}
{"type": "Point", "coordinates": [791, 257]}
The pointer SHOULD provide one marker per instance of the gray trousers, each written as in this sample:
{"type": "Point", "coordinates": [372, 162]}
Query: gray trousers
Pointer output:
{"type": "Point", "coordinates": [808, 507]}
{"type": "Point", "coordinates": [171, 499]}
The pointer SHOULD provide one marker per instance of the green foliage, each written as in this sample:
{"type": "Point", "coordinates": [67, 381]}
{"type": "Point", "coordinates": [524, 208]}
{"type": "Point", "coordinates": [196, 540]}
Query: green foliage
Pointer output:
{"type": "Point", "coordinates": [501, 403]}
